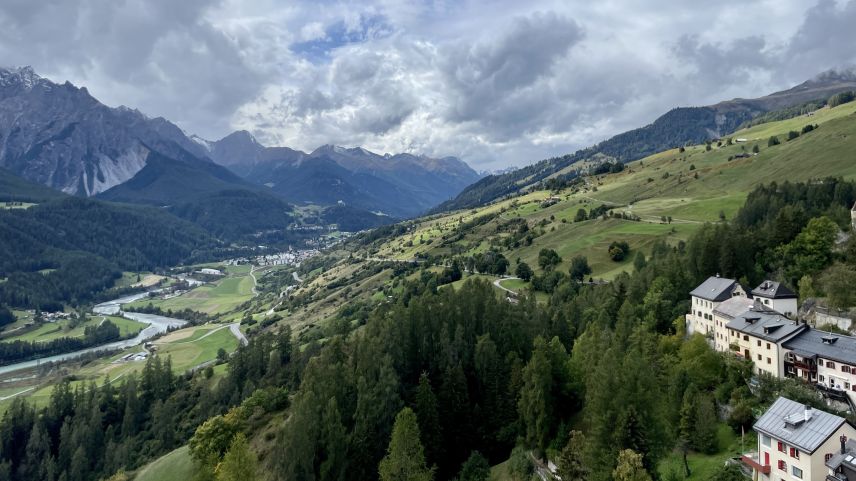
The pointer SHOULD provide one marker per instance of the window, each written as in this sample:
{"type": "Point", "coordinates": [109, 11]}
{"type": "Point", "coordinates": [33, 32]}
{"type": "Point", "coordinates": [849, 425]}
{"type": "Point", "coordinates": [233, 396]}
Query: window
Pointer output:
{"type": "Point", "coordinates": [759, 343]}
{"type": "Point", "coordinates": [830, 364]}
{"type": "Point", "coordinates": [768, 345]}
{"type": "Point", "coordinates": [781, 447]}
{"type": "Point", "coordinates": [759, 357]}
{"type": "Point", "coordinates": [795, 453]}
{"type": "Point", "coordinates": [797, 472]}
{"type": "Point", "coordinates": [783, 466]}
{"type": "Point", "coordinates": [766, 440]}
{"type": "Point", "coordinates": [769, 361]}
{"type": "Point", "coordinates": [845, 368]}
{"type": "Point", "coordinates": [827, 457]}
{"type": "Point", "coordinates": [821, 378]}
{"type": "Point", "coordinates": [846, 385]}
{"type": "Point", "coordinates": [745, 337]}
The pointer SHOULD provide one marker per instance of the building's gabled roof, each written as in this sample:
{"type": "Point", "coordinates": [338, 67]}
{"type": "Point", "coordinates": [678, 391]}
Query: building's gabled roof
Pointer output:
{"type": "Point", "coordinates": [716, 289]}
{"type": "Point", "coordinates": [773, 290]}
{"type": "Point", "coordinates": [734, 307]}
{"type": "Point", "coordinates": [835, 347]}
{"type": "Point", "coordinates": [785, 421]}
{"type": "Point", "coordinates": [765, 323]}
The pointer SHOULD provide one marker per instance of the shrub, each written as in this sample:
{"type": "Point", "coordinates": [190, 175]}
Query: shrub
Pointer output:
{"type": "Point", "coordinates": [773, 141]}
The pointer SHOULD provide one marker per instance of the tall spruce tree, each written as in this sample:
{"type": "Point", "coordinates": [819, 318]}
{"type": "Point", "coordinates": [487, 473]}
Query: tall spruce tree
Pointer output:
{"type": "Point", "coordinates": [405, 456]}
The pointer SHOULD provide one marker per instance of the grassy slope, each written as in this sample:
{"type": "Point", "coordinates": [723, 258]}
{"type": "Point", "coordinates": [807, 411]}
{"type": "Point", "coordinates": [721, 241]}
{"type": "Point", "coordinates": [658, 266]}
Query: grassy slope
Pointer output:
{"type": "Point", "coordinates": [643, 189]}
{"type": "Point", "coordinates": [721, 188]}
{"type": "Point", "coordinates": [174, 466]}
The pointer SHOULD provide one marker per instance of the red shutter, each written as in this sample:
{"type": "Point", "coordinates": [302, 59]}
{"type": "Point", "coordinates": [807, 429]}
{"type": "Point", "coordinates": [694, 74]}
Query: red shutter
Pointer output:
{"type": "Point", "coordinates": [781, 447]}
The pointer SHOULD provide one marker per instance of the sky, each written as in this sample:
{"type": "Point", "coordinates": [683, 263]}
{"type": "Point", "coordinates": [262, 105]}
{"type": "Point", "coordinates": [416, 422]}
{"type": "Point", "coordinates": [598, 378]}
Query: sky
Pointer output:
{"type": "Point", "coordinates": [495, 83]}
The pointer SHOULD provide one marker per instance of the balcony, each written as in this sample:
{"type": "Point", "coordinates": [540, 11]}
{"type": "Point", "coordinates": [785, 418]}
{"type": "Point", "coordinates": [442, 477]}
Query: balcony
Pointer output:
{"type": "Point", "coordinates": [753, 460]}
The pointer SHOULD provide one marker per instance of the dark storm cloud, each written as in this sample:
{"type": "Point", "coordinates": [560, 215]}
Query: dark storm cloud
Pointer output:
{"type": "Point", "coordinates": [161, 56]}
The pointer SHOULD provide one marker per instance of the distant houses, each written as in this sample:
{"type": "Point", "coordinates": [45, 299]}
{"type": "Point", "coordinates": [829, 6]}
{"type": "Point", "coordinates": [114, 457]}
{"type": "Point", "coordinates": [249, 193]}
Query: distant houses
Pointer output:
{"type": "Point", "coordinates": [758, 325]}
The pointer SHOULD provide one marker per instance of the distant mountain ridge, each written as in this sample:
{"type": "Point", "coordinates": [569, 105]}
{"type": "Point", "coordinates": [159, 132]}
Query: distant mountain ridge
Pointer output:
{"type": "Point", "coordinates": [401, 185]}
{"type": "Point", "coordinates": [62, 137]}
{"type": "Point", "coordinates": [676, 127]}
{"type": "Point", "coordinates": [59, 136]}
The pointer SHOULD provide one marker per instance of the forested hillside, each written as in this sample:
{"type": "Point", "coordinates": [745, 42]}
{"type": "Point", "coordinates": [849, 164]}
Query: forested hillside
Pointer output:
{"type": "Point", "coordinates": [65, 251]}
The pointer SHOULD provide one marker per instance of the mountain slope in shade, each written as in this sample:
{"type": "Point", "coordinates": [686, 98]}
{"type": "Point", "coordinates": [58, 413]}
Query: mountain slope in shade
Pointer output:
{"type": "Point", "coordinates": [62, 137]}
{"type": "Point", "coordinates": [400, 185]}
{"type": "Point", "coordinates": [14, 188]}
{"type": "Point", "coordinates": [679, 126]}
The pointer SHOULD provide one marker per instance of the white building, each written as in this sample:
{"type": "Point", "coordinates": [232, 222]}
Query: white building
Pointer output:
{"type": "Point", "coordinates": [757, 334]}
{"type": "Point", "coordinates": [795, 442]}
{"type": "Point", "coordinates": [826, 360]}
{"type": "Point", "coordinates": [777, 297]}
{"type": "Point", "coordinates": [707, 297]}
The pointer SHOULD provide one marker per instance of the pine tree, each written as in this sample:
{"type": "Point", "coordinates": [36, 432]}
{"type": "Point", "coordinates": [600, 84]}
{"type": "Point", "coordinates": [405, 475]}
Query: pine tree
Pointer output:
{"type": "Point", "coordinates": [571, 464]}
{"type": "Point", "coordinates": [334, 438]}
{"type": "Point", "coordinates": [630, 467]}
{"type": "Point", "coordinates": [705, 425]}
{"type": "Point", "coordinates": [239, 463]}
{"type": "Point", "coordinates": [405, 458]}
{"type": "Point", "coordinates": [475, 468]}
{"type": "Point", "coordinates": [535, 400]}
{"type": "Point", "coordinates": [425, 407]}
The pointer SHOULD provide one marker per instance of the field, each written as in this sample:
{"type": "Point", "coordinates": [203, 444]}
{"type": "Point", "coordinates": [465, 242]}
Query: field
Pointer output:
{"type": "Point", "coordinates": [218, 297]}
{"type": "Point", "coordinates": [49, 331]}
{"type": "Point", "coordinates": [188, 348]}
{"type": "Point", "coordinates": [175, 466]}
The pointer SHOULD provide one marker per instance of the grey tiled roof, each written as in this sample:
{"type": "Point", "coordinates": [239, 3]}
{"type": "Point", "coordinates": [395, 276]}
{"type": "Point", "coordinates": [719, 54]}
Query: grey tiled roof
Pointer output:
{"type": "Point", "coordinates": [715, 289]}
{"type": "Point", "coordinates": [773, 290]}
{"type": "Point", "coordinates": [734, 307]}
{"type": "Point", "coordinates": [766, 324]}
{"type": "Point", "coordinates": [808, 435]}
{"type": "Point", "coordinates": [835, 347]}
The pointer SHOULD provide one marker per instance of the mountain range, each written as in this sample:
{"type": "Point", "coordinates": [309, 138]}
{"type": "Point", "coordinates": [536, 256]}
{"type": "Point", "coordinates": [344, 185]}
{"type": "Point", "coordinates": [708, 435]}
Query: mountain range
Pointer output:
{"type": "Point", "coordinates": [401, 185]}
{"type": "Point", "coordinates": [677, 127]}
{"type": "Point", "coordinates": [60, 136]}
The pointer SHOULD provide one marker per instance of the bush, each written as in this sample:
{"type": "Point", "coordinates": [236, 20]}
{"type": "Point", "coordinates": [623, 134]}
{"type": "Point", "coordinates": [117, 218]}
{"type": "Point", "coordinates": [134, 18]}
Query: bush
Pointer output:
{"type": "Point", "coordinates": [618, 250]}
{"type": "Point", "coordinates": [792, 135]}
{"type": "Point", "coordinates": [773, 141]}
{"type": "Point", "coordinates": [808, 128]}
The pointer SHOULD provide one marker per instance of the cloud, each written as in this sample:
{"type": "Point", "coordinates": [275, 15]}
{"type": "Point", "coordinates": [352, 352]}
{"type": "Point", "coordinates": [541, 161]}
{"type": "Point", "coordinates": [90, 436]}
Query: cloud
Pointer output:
{"type": "Point", "coordinates": [496, 83]}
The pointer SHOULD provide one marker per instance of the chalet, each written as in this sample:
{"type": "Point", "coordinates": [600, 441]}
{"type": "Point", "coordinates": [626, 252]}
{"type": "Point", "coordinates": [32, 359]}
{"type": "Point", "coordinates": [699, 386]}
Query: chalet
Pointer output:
{"type": "Point", "coordinates": [796, 442]}
{"type": "Point", "coordinates": [758, 334]}
{"type": "Point", "coordinates": [707, 297]}
{"type": "Point", "coordinates": [777, 297]}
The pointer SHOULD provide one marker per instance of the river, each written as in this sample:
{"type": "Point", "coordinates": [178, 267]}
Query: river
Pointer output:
{"type": "Point", "coordinates": [156, 325]}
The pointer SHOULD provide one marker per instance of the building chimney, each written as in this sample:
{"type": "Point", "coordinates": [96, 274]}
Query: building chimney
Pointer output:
{"type": "Point", "coordinates": [843, 440]}
{"type": "Point", "coordinates": [807, 413]}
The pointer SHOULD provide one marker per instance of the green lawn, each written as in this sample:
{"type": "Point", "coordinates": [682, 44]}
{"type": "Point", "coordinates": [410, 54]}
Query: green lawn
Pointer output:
{"type": "Point", "coordinates": [703, 465]}
{"type": "Point", "coordinates": [49, 331]}
{"type": "Point", "coordinates": [196, 349]}
{"type": "Point", "coordinates": [219, 297]}
{"type": "Point", "coordinates": [514, 284]}
{"type": "Point", "coordinates": [175, 466]}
